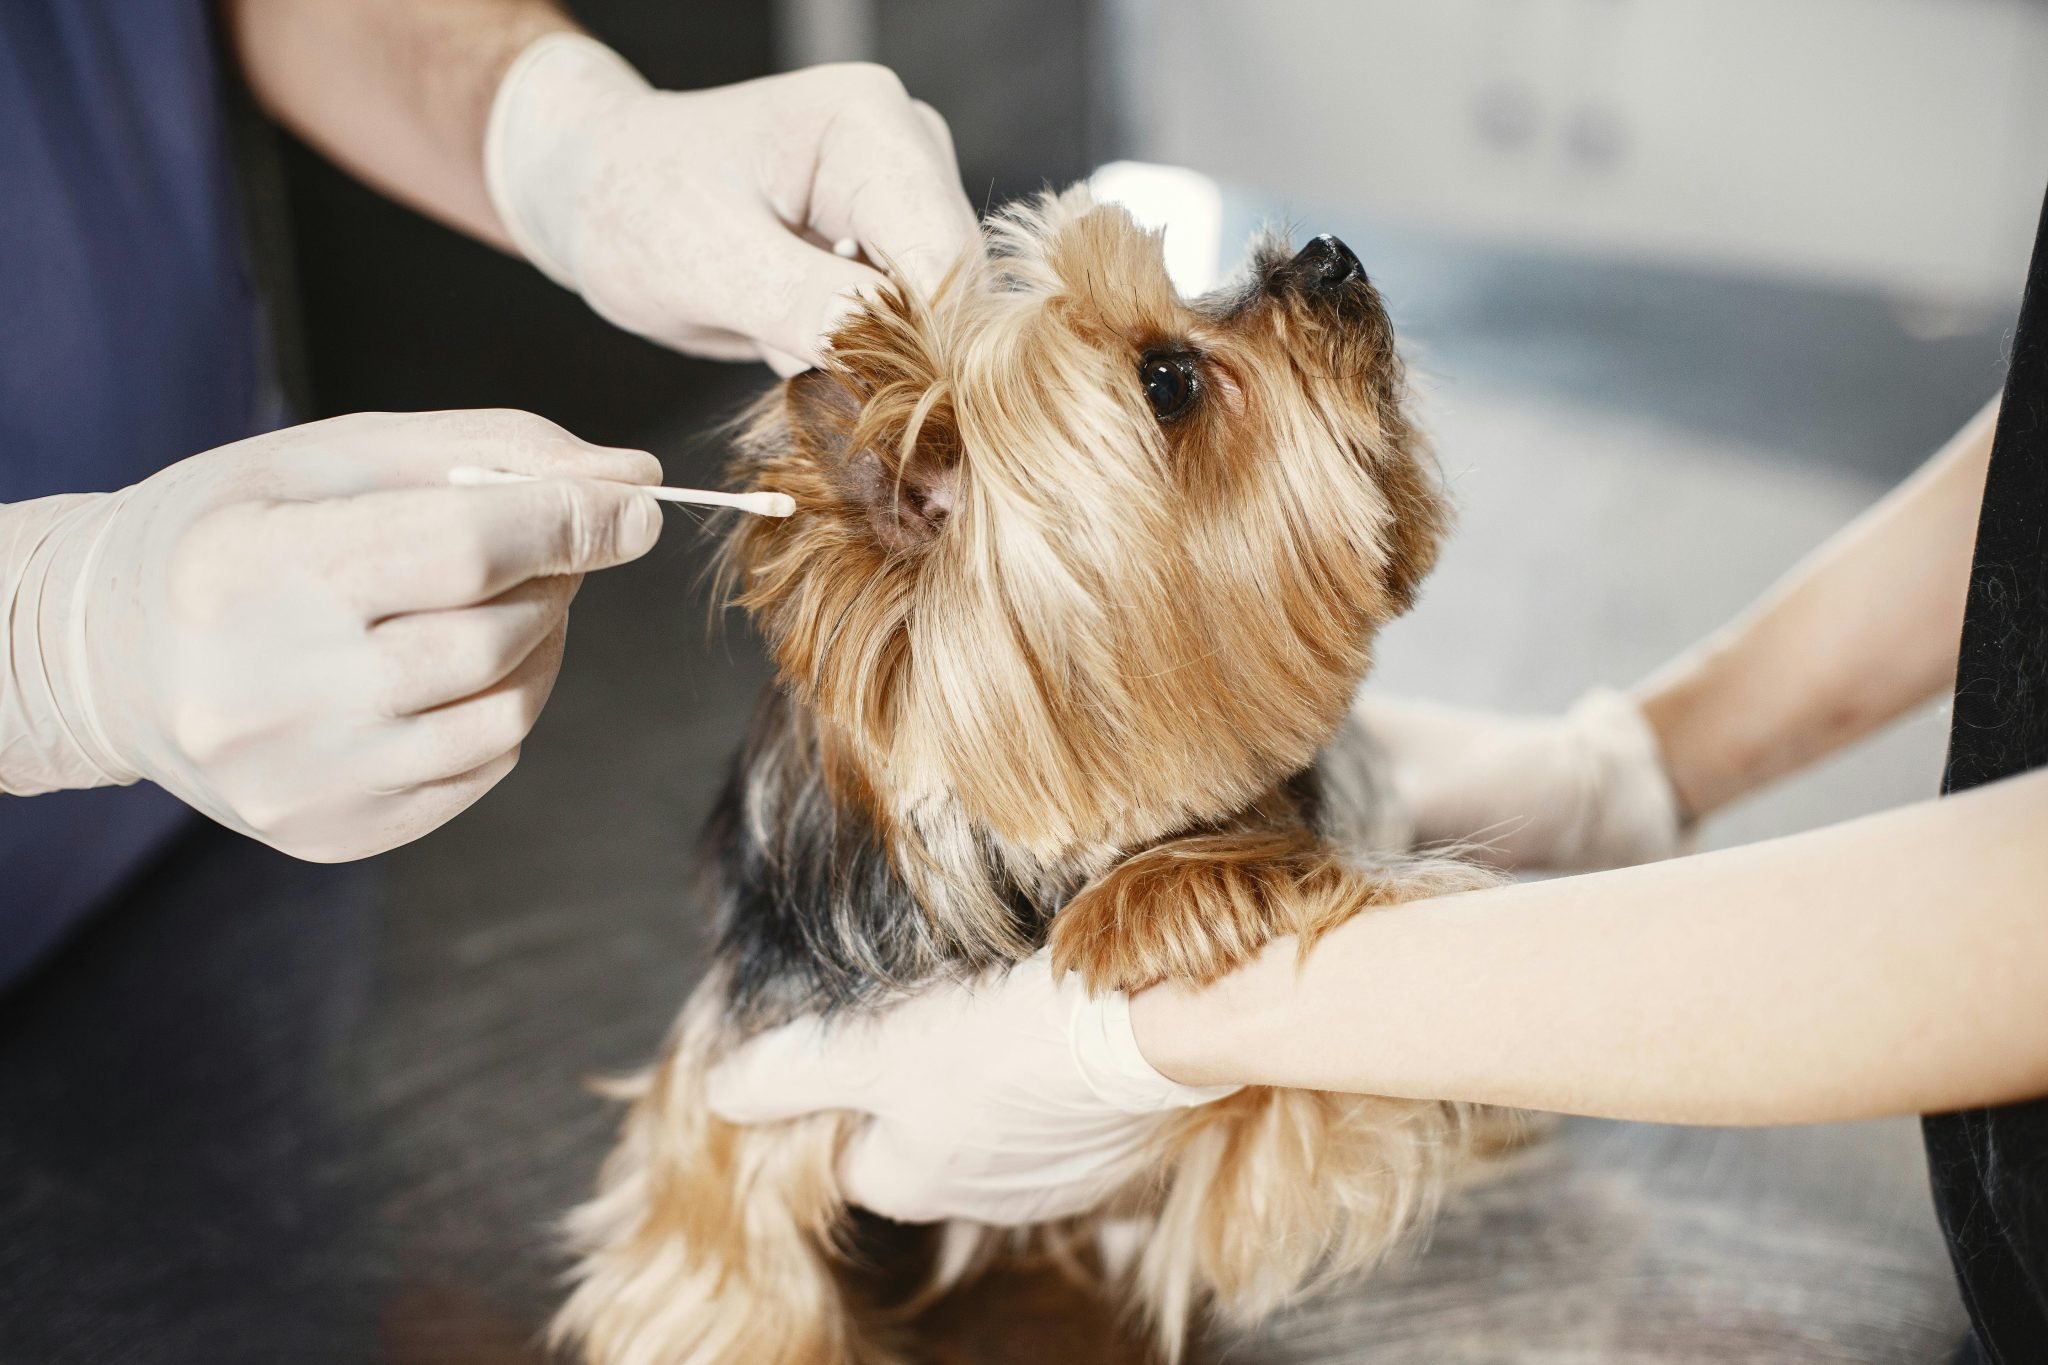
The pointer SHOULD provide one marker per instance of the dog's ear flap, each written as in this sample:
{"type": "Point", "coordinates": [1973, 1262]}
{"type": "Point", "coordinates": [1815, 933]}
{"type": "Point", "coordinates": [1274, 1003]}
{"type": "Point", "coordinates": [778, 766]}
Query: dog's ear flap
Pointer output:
{"type": "Point", "coordinates": [823, 411]}
{"type": "Point", "coordinates": [904, 499]}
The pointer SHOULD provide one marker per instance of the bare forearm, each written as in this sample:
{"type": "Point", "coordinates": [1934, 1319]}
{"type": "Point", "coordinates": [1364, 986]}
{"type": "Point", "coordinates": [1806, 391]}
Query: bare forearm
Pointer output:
{"type": "Point", "coordinates": [1897, 964]}
{"type": "Point", "coordinates": [397, 92]}
{"type": "Point", "coordinates": [1860, 632]}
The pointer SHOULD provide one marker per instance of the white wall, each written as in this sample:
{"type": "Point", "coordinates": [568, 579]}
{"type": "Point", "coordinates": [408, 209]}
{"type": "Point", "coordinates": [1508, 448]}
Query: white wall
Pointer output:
{"type": "Point", "coordinates": [1901, 144]}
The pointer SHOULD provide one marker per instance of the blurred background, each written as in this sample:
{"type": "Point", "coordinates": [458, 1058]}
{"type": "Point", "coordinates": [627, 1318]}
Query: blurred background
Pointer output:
{"type": "Point", "coordinates": [1684, 285]}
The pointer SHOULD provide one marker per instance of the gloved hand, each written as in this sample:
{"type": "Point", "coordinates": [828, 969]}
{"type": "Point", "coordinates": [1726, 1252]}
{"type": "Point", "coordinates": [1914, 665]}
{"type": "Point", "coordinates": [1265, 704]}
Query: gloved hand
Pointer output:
{"type": "Point", "coordinates": [308, 635]}
{"type": "Point", "coordinates": [1008, 1100]}
{"type": "Point", "coordinates": [704, 219]}
{"type": "Point", "coordinates": [1577, 792]}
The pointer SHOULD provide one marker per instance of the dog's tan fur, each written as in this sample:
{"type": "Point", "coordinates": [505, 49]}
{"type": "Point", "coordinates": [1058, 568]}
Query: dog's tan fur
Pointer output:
{"type": "Point", "coordinates": [1054, 648]}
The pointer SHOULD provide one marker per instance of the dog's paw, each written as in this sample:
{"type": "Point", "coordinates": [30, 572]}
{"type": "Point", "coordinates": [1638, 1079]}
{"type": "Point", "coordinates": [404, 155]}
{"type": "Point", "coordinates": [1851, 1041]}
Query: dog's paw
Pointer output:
{"type": "Point", "coordinates": [1192, 909]}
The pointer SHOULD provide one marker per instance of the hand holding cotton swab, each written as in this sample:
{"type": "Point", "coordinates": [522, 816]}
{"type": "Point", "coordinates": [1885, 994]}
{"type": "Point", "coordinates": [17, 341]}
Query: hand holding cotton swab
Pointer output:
{"type": "Point", "coordinates": [761, 504]}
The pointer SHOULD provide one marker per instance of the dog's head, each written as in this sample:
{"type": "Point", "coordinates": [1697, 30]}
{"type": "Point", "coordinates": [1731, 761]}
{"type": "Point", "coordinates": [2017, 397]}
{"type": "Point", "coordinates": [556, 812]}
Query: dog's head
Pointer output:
{"type": "Point", "coordinates": [1090, 560]}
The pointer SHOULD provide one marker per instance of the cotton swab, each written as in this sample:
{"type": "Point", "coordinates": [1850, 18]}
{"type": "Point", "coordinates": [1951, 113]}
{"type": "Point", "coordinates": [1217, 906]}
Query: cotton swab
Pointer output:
{"type": "Point", "coordinates": [762, 504]}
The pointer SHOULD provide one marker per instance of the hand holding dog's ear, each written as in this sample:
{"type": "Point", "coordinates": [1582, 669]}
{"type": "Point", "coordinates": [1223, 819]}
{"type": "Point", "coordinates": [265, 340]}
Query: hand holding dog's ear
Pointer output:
{"type": "Point", "coordinates": [1579, 792]}
{"type": "Point", "coordinates": [1007, 1100]}
{"type": "Point", "coordinates": [704, 219]}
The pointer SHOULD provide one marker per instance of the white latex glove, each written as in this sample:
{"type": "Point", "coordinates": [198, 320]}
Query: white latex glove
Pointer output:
{"type": "Point", "coordinates": [1008, 1100]}
{"type": "Point", "coordinates": [705, 219]}
{"type": "Point", "coordinates": [308, 635]}
{"type": "Point", "coordinates": [1576, 792]}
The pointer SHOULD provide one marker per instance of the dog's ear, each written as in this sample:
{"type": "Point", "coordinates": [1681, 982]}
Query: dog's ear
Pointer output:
{"type": "Point", "coordinates": [823, 411]}
{"type": "Point", "coordinates": [902, 490]}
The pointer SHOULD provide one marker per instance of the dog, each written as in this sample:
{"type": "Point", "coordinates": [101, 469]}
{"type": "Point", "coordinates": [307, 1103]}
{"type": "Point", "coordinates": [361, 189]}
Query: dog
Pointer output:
{"type": "Point", "coordinates": [1083, 578]}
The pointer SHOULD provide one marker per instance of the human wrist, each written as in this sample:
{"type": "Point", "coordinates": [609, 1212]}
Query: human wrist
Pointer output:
{"type": "Point", "coordinates": [51, 738]}
{"type": "Point", "coordinates": [538, 141]}
{"type": "Point", "coordinates": [1707, 727]}
{"type": "Point", "coordinates": [1173, 1027]}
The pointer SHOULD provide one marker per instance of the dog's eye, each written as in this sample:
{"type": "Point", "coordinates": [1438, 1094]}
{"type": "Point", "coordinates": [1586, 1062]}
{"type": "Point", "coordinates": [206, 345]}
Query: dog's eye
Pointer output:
{"type": "Point", "coordinates": [1170, 383]}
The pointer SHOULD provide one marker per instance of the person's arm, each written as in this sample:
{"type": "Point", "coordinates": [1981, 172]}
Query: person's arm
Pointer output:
{"type": "Point", "coordinates": [1855, 635]}
{"type": "Point", "coordinates": [1892, 965]}
{"type": "Point", "coordinates": [397, 92]}
{"type": "Point", "coordinates": [705, 220]}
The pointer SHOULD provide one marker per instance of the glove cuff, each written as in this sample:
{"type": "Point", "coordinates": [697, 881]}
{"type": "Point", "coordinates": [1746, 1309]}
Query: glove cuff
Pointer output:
{"type": "Point", "coordinates": [537, 142]}
{"type": "Point", "coordinates": [50, 734]}
{"type": "Point", "coordinates": [1106, 1053]}
{"type": "Point", "coordinates": [1635, 815]}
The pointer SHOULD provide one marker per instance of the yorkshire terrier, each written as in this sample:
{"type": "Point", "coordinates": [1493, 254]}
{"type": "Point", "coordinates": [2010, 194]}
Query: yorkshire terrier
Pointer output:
{"type": "Point", "coordinates": [1082, 579]}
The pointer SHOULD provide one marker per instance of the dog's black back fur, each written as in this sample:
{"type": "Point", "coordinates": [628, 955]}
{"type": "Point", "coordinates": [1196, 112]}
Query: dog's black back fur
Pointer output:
{"type": "Point", "coordinates": [811, 915]}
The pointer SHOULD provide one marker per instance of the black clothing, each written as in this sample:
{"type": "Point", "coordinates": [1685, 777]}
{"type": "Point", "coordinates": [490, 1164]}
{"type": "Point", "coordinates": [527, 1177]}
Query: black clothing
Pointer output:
{"type": "Point", "coordinates": [1989, 1167]}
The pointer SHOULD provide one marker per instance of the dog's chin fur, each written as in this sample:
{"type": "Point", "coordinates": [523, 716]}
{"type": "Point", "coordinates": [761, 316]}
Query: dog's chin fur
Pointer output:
{"type": "Point", "coordinates": [1050, 668]}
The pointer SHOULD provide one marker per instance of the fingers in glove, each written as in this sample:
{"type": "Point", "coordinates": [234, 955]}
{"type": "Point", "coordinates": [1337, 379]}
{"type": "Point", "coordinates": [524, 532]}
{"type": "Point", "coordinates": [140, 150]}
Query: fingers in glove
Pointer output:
{"type": "Point", "coordinates": [380, 823]}
{"type": "Point", "coordinates": [885, 1175]}
{"type": "Point", "coordinates": [718, 343]}
{"type": "Point", "coordinates": [424, 549]}
{"type": "Point", "coordinates": [888, 180]}
{"type": "Point", "coordinates": [802, 1067]}
{"type": "Point", "coordinates": [805, 293]}
{"type": "Point", "coordinates": [432, 658]}
{"type": "Point", "coordinates": [937, 129]}
{"type": "Point", "coordinates": [416, 449]}
{"type": "Point", "coordinates": [471, 733]}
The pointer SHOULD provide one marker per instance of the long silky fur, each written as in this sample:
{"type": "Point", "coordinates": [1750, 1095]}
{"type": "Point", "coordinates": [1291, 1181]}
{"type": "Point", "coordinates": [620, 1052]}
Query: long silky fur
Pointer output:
{"type": "Point", "coordinates": [1047, 670]}
{"type": "Point", "coordinates": [708, 1241]}
{"type": "Point", "coordinates": [1271, 1193]}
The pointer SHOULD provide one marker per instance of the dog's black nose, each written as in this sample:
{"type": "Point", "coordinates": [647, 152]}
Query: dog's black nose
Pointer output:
{"type": "Point", "coordinates": [1324, 263]}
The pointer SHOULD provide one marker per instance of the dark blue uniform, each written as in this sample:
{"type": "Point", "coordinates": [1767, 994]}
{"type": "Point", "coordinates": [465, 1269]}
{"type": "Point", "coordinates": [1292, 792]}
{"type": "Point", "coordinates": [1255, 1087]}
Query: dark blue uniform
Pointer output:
{"type": "Point", "coordinates": [131, 336]}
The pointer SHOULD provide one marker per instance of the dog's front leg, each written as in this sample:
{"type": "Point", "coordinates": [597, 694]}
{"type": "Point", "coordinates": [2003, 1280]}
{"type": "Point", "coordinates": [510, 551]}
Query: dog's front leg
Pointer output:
{"type": "Point", "coordinates": [1268, 1190]}
{"type": "Point", "coordinates": [1196, 908]}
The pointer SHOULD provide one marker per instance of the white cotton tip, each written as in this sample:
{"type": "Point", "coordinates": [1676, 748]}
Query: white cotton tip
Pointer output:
{"type": "Point", "coordinates": [846, 249]}
{"type": "Point", "coordinates": [768, 504]}
{"type": "Point", "coordinates": [761, 504]}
